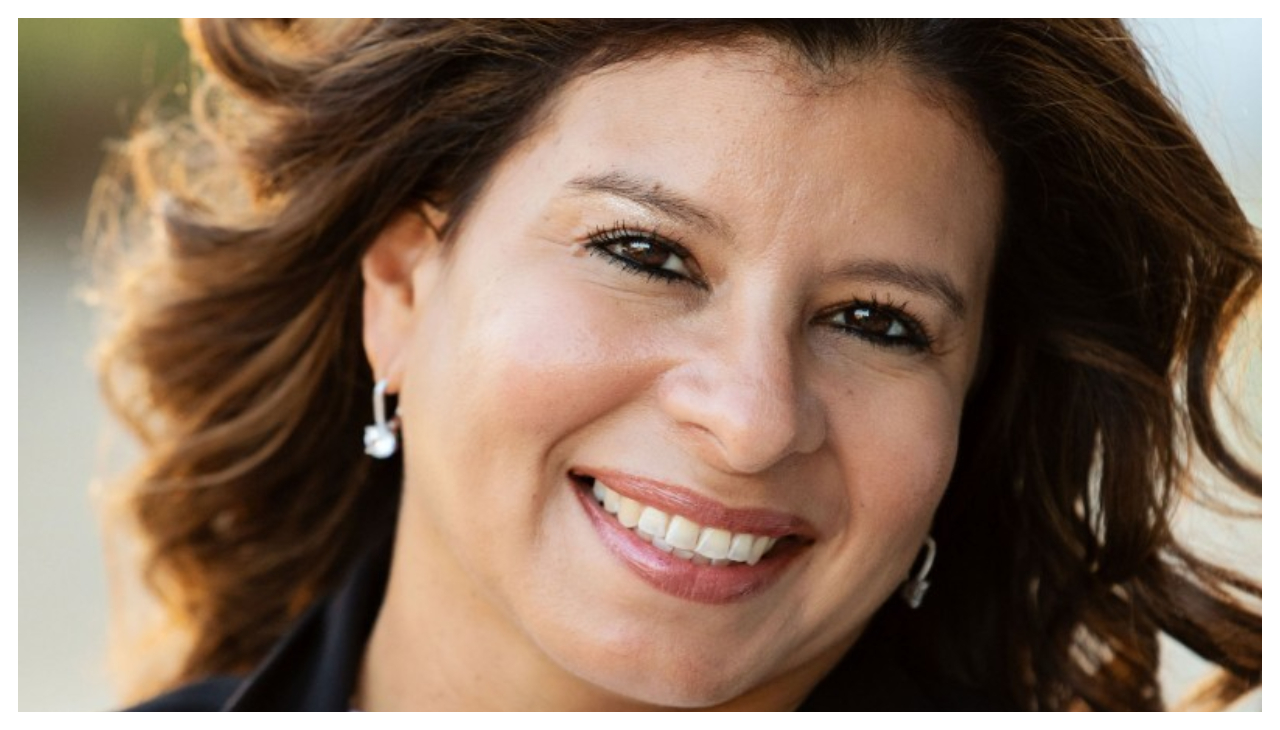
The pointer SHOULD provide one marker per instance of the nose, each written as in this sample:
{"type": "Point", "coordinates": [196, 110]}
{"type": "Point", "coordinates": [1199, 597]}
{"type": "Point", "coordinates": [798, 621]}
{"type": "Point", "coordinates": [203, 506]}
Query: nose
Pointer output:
{"type": "Point", "coordinates": [744, 399]}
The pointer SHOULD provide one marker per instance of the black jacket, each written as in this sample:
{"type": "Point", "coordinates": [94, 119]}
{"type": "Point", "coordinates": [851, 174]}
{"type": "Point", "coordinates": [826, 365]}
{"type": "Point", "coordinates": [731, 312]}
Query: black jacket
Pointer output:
{"type": "Point", "coordinates": [316, 664]}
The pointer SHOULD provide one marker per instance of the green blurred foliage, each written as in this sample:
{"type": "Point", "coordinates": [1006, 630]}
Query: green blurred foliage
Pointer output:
{"type": "Point", "coordinates": [81, 83]}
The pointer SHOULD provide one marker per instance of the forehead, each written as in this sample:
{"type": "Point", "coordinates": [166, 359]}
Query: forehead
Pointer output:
{"type": "Point", "coordinates": [760, 91]}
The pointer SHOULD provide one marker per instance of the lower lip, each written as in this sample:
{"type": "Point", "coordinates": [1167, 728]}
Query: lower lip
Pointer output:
{"type": "Point", "coordinates": [678, 577]}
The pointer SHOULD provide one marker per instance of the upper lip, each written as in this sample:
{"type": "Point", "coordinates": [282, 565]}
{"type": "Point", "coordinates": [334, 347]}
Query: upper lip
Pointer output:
{"type": "Point", "coordinates": [678, 500]}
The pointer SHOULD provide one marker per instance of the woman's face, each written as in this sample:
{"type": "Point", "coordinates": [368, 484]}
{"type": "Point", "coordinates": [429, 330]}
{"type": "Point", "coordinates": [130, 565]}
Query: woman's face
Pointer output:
{"type": "Point", "coordinates": [742, 303]}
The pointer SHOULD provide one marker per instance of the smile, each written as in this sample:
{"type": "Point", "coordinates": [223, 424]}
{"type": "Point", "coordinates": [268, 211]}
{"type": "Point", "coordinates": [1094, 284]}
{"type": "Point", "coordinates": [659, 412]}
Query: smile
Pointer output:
{"type": "Point", "coordinates": [681, 536]}
{"type": "Point", "coordinates": [685, 544]}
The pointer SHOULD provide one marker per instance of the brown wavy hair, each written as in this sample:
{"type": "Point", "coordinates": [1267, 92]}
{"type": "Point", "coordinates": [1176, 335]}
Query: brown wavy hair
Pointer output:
{"type": "Point", "coordinates": [234, 233]}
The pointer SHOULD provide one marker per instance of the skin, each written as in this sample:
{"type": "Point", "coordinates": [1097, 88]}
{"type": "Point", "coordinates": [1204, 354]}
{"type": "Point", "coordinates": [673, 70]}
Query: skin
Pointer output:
{"type": "Point", "coordinates": [521, 352]}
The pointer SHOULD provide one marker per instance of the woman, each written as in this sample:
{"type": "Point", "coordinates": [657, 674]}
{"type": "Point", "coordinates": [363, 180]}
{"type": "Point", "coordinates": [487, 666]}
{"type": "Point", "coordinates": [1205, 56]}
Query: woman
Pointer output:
{"type": "Point", "coordinates": [691, 346]}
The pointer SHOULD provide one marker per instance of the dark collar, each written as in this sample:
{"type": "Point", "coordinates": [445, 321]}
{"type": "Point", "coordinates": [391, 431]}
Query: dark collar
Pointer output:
{"type": "Point", "coordinates": [315, 666]}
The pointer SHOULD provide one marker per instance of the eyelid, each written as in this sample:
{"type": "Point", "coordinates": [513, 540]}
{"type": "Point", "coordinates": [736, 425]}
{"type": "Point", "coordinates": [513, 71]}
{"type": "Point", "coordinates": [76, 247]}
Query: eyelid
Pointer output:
{"type": "Point", "coordinates": [600, 238]}
{"type": "Point", "coordinates": [919, 339]}
{"type": "Point", "coordinates": [621, 231]}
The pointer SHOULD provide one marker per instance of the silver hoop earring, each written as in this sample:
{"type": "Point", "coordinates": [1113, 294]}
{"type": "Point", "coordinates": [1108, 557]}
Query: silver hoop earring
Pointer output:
{"type": "Point", "coordinates": [916, 586]}
{"type": "Point", "coordinates": [380, 440]}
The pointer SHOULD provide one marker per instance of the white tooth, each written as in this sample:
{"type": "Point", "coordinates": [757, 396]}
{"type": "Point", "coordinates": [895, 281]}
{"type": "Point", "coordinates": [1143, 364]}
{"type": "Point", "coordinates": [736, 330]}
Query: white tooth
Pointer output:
{"type": "Point", "coordinates": [611, 500]}
{"type": "Point", "coordinates": [629, 512]}
{"type": "Point", "coordinates": [758, 547]}
{"type": "Point", "coordinates": [682, 533]}
{"type": "Point", "coordinates": [714, 543]}
{"type": "Point", "coordinates": [598, 489]}
{"type": "Point", "coordinates": [662, 545]}
{"type": "Point", "coordinates": [682, 554]}
{"type": "Point", "coordinates": [740, 547]}
{"type": "Point", "coordinates": [652, 523]}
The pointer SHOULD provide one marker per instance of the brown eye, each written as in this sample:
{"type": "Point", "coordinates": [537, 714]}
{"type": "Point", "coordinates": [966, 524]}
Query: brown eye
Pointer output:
{"type": "Point", "coordinates": [644, 253]}
{"type": "Point", "coordinates": [881, 325]}
{"type": "Point", "coordinates": [876, 322]}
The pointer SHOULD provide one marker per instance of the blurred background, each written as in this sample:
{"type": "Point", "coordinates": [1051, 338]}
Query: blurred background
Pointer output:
{"type": "Point", "coordinates": [80, 85]}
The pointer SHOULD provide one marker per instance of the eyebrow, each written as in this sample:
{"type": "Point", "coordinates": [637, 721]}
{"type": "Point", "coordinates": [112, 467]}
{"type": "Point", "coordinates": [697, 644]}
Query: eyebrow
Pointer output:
{"type": "Point", "coordinates": [654, 196]}
{"type": "Point", "coordinates": [922, 280]}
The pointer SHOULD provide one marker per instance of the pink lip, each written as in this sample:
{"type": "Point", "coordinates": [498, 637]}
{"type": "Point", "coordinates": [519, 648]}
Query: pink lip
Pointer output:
{"type": "Point", "coordinates": [683, 578]}
{"type": "Point", "coordinates": [678, 500]}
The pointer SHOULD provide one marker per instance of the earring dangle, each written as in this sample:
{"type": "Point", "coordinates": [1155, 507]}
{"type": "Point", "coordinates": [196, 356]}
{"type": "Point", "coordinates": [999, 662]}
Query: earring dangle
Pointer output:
{"type": "Point", "coordinates": [916, 586]}
{"type": "Point", "coordinates": [380, 440]}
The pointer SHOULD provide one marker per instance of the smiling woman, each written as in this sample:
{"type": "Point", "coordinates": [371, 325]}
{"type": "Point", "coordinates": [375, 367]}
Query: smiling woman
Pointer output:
{"type": "Point", "coordinates": [705, 341]}
{"type": "Point", "coordinates": [720, 385]}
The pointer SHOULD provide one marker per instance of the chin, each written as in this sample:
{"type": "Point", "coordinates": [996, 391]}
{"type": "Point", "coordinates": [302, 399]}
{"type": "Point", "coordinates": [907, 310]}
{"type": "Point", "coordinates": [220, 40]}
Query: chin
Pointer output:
{"type": "Point", "coordinates": [676, 684]}
{"type": "Point", "coordinates": [649, 669]}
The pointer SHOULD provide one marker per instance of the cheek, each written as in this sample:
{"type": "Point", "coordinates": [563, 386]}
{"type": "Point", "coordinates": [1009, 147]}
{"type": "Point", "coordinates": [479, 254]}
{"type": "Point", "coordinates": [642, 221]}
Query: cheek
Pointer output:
{"type": "Point", "coordinates": [896, 444]}
{"type": "Point", "coordinates": [504, 368]}
{"type": "Point", "coordinates": [915, 444]}
{"type": "Point", "coordinates": [530, 358]}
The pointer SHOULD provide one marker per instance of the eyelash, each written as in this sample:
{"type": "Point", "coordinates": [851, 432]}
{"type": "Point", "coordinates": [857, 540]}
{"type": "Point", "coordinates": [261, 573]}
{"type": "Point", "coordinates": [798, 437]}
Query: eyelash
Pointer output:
{"type": "Point", "coordinates": [603, 241]}
{"type": "Point", "coordinates": [914, 337]}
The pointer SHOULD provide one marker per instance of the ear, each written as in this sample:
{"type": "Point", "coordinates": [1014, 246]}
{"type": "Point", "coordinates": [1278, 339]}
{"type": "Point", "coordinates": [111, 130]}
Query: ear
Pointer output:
{"type": "Point", "coordinates": [388, 267]}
